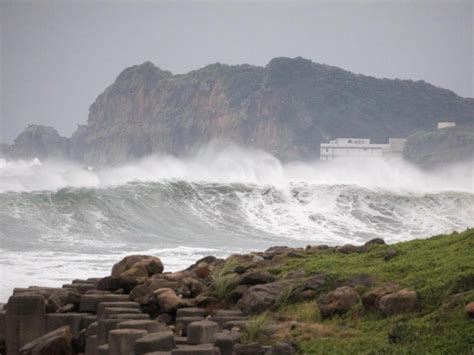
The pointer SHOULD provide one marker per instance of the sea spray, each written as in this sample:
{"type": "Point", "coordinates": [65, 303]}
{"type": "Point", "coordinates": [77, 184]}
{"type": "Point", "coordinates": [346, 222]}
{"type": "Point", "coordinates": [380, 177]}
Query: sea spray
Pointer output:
{"type": "Point", "coordinates": [60, 218]}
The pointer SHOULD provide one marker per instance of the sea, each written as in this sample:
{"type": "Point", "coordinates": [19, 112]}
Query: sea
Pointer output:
{"type": "Point", "coordinates": [60, 220]}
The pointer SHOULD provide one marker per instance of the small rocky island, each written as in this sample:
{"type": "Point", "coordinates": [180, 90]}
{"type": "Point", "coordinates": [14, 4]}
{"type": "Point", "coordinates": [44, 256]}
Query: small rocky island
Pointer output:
{"type": "Point", "coordinates": [374, 298]}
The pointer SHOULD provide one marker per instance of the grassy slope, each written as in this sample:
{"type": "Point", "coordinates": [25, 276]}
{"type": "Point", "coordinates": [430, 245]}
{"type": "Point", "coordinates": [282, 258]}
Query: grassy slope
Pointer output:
{"type": "Point", "coordinates": [437, 268]}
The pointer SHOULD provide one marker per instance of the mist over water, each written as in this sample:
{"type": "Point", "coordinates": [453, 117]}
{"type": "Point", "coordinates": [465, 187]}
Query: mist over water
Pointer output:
{"type": "Point", "coordinates": [60, 220]}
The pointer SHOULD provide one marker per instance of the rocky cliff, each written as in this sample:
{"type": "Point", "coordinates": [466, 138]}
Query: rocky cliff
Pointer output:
{"type": "Point", "coordinates": [286, 108]}
{"type": "Point", "coordinates": [441, 147]}
{"type": "Point", "coordinates": [38, 142]}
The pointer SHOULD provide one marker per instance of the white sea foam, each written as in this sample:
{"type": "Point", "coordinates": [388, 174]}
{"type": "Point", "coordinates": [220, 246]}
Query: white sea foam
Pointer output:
{"type": "Point", "coordinates": [53, 269]}
{"type": "Point", "coordinates": [233, 164]}
{"type": "Point", "coordinates": [61, 221]}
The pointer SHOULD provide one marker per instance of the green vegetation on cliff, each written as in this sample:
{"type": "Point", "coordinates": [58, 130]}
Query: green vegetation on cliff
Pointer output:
{"type": "Point", "coordinates": [441, 147]}
{"type": "Point", "coordinates": [286, 108]}
{"type": "Point", "coordinates": [440, 269]}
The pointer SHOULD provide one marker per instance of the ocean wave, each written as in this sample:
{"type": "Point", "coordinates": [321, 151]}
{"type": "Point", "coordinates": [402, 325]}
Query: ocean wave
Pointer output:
{"type": "Point", "coordinates": [232, 164]}
{"type": "Point", "coordinates": [60, 221]}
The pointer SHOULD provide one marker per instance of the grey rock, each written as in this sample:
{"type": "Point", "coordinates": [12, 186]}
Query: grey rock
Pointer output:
{"type": "Point", "coordinates": [260, 298]}
{"type": "Point", "coordinates": [256, 277]}
{"type": "Point", "coordinates": [375, 241]}
{"type": "Point", "coordinates": [338, 301]}
{"type": "Point", "coordinates": [390, 254]}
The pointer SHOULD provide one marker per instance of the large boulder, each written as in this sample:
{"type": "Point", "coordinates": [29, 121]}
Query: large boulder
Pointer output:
{"type": "Point", "coordinates": [469, 309]}
{"type": "Point", "coordinates": [349, 249]}
{"type": "Point", "coordinates": [371, 298]}
{"type": "Point", "coordinates": [338, 301]}
{"type": "Point", "coordinates": [126, 283]}
{"type": "Point", "coordinates": [56, 342]}
{"type": "Point", "coordinates": [375, 241]}
{"type": "Point", "coordinates": [315, 283]}
{"type": "Point", "coordinates": [357, 280]}
{"type": "Point", "coordinates": [168, 301]}
{"type": "Point", "coordinates": [183, 285]}
{"type": "Point", "coordinates": [62, 297]}
{"type": "Point", "coordinates": [398, 302]}
{"type": "Point", "coordinates": [277, 250]}
{"type": "Point", "coordinates": [256, 278]}
{"type": "Point", "coordinates": [138, 266]}
{"type": "Point", "coordinates": [259, 298]}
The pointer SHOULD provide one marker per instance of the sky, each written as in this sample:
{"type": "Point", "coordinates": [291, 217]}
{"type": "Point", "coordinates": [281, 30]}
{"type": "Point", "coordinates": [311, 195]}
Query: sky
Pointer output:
{"type": "Point", "coordinates": [56, 57]}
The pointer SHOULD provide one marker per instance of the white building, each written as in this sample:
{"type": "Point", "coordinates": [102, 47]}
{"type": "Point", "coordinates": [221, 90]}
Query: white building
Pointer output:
{"type": "Point", "coordinates": [361, 148]}
{"type": "Point", "coordinates": [446, 124]}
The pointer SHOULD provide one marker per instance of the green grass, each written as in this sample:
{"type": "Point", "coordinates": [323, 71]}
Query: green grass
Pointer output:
{"type": "Point", "coordinates": [437, 268]}
{"type": "Point", "coordinates": [223, 281]}
{"type": "Point", "coordinates": [255, 329]}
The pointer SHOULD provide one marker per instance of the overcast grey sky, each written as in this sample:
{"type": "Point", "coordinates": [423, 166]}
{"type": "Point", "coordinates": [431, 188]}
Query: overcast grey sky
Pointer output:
{"type": "Point", "coordinates": [56, 57]}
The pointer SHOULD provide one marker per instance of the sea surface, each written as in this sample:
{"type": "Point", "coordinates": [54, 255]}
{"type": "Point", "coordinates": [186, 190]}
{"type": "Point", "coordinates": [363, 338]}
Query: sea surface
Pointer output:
{"type": "Point", "coordinates": [60, 221]}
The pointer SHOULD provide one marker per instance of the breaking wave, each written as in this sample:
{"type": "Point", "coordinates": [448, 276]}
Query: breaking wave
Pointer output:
{"type": "Point", "coordinates": [60, 221]}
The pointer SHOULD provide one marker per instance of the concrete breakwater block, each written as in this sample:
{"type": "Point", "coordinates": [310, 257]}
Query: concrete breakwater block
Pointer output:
{"type": "Point", "coordinates": [202, 332]}
{"type": "Point", "coordinates": [58, 320]}
{"type": "Point", "coordinates": [25, 320]}
{"type": "Point", "coordinates": [180, 340]}
{"type": "Point", "coordinates": [119, 310]}
{"type": "Point", "coordinates": [163, 341]}
{"type": "Point", "coordinates": [103, 349]}
{"type": "Point", "coordinates": [103, 328]}
{"type": "Point", "coordinates": [130, 316]}
{"type": "Point", "coordinates": [82, 288]}
{"type": "Point", "coordinates": [56, 342]}
{"type": "Point", "coordinates": [222, 320]}
{"type": "Point", "coordinates": [90, 302]}
{"type": "Point", "coordinates": [122, 341]}
{"type": "Point", "coordinates": [127, 304]}
{"type": "Point", "coordinates": [229, 313]}
{"type": "Point", "coordinates": [182, 323]}
{"type": "Point", "coordinates": [226, 340]}
{"type": "Point", "coordinates": [202, 349]}
{"type": "Point", "coordinates": [191, 312]}
{"type": "Point", "coordinates": [3, 316]}
{"type": "Point", "coordinates": [151, 326]}
{"type": "Point", "coordinates": [40, 290]}
{"type": "Point", "coordinates": [91, 345]}
{"type": "Point", "coordinates": [88, 320]}
{"type": "Point", "coordinates": [92, 329]}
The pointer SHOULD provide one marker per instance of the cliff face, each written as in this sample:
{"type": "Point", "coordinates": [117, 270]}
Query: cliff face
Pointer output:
{"type": "Point", "coordinates": [39, 142]}
{"type": "Point", "coordinates": [441, 147]}
{"type": "Point", "coordinates": [286, 108]}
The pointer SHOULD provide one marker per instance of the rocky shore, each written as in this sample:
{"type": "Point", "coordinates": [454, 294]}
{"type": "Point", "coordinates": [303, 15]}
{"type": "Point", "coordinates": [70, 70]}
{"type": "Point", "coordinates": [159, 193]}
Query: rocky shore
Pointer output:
{"type": "Point", "coordinates": [317, 299]}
